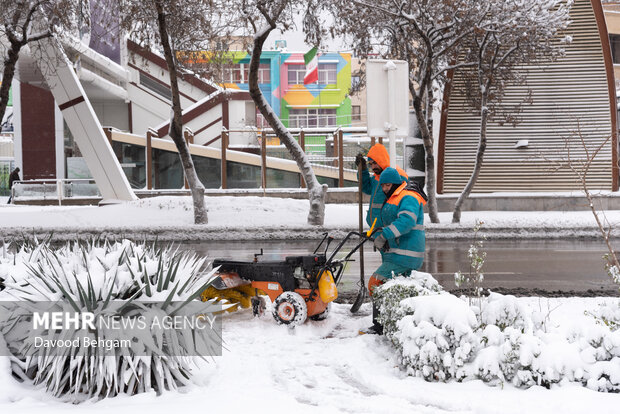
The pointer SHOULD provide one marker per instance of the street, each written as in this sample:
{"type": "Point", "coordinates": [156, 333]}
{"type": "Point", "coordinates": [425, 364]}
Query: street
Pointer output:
{"type": "Point", "coordinates": [519, 265]}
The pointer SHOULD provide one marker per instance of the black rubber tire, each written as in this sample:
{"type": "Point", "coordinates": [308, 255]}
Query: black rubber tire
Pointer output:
{"type": "Point", "coordinates": [290, 309]}
{"type": "Point", "coordinates": [323, 315]}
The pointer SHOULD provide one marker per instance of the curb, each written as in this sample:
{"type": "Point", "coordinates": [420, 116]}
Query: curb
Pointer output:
{"type": "Point", "coordinates": [199, 233]}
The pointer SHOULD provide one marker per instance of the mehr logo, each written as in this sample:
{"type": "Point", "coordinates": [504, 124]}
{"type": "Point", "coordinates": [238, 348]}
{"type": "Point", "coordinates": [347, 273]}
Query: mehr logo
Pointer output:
{"type": "Point", "coordinates": [87, 320]}
{"type": "Point", "coordinates": [64, 320]}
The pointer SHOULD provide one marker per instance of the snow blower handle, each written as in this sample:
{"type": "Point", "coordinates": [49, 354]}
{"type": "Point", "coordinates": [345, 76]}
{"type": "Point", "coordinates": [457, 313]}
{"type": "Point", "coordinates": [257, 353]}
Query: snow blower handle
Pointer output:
{"type": "Point", "coordinates": [370, 230]}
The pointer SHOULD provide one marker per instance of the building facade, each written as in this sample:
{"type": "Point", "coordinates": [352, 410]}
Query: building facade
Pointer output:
{"type": "Point", "coordinates": [325, 103]}
{"type": "Point", "coordinates": [571, 98]}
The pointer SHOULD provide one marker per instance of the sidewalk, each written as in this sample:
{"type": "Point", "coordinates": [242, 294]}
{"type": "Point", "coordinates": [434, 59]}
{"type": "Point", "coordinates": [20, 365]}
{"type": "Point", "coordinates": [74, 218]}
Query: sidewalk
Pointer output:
{"type": "Point", "coordinates": [258, 218]}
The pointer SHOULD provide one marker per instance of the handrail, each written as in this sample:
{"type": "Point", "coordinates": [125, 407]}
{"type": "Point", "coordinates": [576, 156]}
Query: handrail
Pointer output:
{"type": "Point", "coordinates": [335, 138]}
{"type": "Point", "coordinates": [60, 185]}
{"type": "Point", "coordinates": [231, 155]}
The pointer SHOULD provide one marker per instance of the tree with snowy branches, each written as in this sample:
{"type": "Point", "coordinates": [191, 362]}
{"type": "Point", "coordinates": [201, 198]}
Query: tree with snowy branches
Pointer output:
{"type": "Point", "coordinates": [261, 18]}
{"type": "Point", "coordinates": [514, 34]}
{"type": "Point", "coordinates": [19, 27]}
{"type": "Point", "coordinates": [173, 26]}
{"type": "Point", "coordinates": [426, 33]}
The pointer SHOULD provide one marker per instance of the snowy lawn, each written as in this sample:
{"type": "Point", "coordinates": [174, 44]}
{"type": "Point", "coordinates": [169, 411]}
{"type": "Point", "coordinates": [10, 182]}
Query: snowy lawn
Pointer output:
{"type": "Point", "coordinates": [327, 366]}
{"type": "Point", "coordinates": [248, 217]}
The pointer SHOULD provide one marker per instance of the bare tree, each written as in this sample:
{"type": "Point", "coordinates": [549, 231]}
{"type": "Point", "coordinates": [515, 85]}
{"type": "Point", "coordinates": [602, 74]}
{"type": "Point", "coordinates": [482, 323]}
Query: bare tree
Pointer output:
{"type": "Point", "coordinates": [17, 29]}
{"type": "Point", "coordinates": [174, 27]}
{"type": "Point", "coordinates": [578, 155]}
{"type": "Point", "coordinates": [513, 34]}
{"type": "Point", "coordinates": [426, 33]}
{"type": "Point", "coordinates": [262, 17]}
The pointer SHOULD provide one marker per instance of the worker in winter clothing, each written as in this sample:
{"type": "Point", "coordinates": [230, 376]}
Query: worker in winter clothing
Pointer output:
{"type": "Point", "coordinates": [401, 240]}
{"type": "Point", "coordinates": [12, 178]}
{"type": "Point", "coordinates": [378, 160]}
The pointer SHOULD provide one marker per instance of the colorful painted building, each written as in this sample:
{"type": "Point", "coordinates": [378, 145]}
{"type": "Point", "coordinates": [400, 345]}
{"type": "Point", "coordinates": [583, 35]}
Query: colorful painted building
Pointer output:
{"type": "Point", "coordinates": [322, 104]}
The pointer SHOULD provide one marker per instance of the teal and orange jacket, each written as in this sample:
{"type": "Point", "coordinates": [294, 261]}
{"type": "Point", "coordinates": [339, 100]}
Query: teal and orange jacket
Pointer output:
{"type": "Point", "coordinates": [402, 218]}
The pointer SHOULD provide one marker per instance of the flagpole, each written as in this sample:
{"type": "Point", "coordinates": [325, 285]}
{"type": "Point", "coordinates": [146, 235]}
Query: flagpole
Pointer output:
{"type": "Point", "coordinates": [319, 89]}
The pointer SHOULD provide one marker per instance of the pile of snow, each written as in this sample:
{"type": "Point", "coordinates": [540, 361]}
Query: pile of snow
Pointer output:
{"type": "Point", "coordinates": [499, 340]}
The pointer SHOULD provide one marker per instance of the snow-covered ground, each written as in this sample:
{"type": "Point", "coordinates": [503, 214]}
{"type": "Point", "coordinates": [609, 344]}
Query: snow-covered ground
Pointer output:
{"type": "Point", "coordinates": [171, 218]}
{"type": "Point", "coordinates": [326, 366]}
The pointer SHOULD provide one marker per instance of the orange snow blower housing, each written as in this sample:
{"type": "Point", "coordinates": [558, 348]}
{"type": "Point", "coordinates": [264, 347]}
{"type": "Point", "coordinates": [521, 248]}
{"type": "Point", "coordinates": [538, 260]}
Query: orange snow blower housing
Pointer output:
{"type": "Point", "coordinates": [299, 287]}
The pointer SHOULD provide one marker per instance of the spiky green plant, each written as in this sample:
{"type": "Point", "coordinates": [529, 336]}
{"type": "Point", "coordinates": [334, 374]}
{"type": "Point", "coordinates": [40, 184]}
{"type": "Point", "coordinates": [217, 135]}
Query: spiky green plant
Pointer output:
{"type": "Point", "coordinates": [120, 279]}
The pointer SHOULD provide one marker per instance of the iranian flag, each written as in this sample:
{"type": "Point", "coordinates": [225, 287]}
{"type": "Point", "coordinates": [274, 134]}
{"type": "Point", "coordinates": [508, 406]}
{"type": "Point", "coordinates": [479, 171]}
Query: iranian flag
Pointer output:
{"type": "Point", "coordinates": [312, 66]}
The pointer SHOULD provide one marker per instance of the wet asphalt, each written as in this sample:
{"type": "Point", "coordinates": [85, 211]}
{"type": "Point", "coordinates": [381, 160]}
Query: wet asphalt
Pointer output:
{"type": "Point", "coordinates": [520, 267]}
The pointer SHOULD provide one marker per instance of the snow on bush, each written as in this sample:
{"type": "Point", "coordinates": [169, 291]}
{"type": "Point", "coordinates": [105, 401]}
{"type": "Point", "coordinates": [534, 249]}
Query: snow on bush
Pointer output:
{"type": "Point", "coordinates": [503, 311]}
{"type": "Point", "coordinates": [435, 336]}
{"type": "Point", "coordinates": [389, 295]}
{"type": "Point", "coordinates": [440, 337]}
{"type": "Point", "coordinates": [122, 278]}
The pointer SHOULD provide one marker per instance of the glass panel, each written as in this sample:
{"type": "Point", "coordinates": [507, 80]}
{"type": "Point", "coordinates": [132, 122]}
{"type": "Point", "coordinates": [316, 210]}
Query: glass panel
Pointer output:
{"type": "Point", "coordinates": [243, 175]}
{"type": "Point", "coordinates": [282, 179]}
{"type": "Point", "coordinates": [328, 73]}
{"type": "Point", "coordinates": [80, 189]}
{"type": "Point", "coordinates": [356, 113]}
{"type": "Point", "coordinates": [332, 182]}
{"type": "Point", "coordinates": [208, 171]}
{"type": "Point", "coordinates": [264, 73]}
{"type": "Point", "coordinates": [36, 190]}
{"type": "Point", "coordinates": [6, 167]}
{"type": "Point", "coordinates": [614, 40]}
{"type": "Point", "coordinates": [296, 74]}
{"type": "Point", "coordinates": [328, 117]}
{"type": "Point", "coordinates": [155, 86]}
{"type": "Point", "coordinates": [167, 171]}
{"type": "Point", "coordinates": [237, 73]}
{"type": "Point", "coordinates": [132, 160]}
{"type": "Point", "coordinates": [246, 73]}
{"type": "Point", "coordinates": [332, 77]}
{"type": "Point", "coordinates": [312, 118]}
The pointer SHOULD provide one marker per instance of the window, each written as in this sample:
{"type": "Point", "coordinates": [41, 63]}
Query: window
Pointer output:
{"type": "Point", "coordinates": [155, 86]}
{"type": "Point", "coordinates": [328, 73]}
{"type": "Point", "coordinates": [327, 117]}
{"type": "Point", "coordinates": [614, 40]}
{"type": "Point", "coordinates": [312, 118]}
{"type": "Point", "coordinates": [261, 122]}
{"type": "Point", "coordinates": [233, 74]}
{"type": "Point", "coordinates": [264, 73]}
{"type": "Point", "coordinates": [296, 74]}
{"type": "Point", "coordinates": [297, 118]}
{"type": "Point", "coordinates": [240, 73]}
{"type": "Point", "coordinates": [356, 113]}
{"type": "Point", "coordinates": [355, 82]}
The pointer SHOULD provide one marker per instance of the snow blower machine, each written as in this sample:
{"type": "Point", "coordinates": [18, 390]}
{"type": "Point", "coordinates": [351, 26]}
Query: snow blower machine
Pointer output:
{"type": "Point", "coordinates": [299, 287]}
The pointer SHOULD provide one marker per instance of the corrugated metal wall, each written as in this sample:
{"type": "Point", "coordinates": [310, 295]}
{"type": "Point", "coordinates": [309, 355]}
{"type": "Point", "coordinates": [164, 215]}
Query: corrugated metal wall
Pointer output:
{"type": "Point", "coordinates": [567, 94]}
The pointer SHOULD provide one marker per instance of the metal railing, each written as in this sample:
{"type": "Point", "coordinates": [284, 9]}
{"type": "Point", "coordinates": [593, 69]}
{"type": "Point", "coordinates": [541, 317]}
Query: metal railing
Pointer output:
{"type": "Point", "coordinates": [54, 189]}
{"type": "Point", "coordinates": [332, 154]}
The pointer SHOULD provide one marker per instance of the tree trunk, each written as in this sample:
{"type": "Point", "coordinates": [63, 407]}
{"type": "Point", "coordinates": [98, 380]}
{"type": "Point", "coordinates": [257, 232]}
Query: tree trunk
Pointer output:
{"type": "Point", "coordinates": [176, 124]}
{"type": "Point", "coordinates": [430, 159]}
{"type": "Point", "coordinates": [482, 145]}
{"type": "Point", "coordinates": [7, 77]}
{"type": "Point", "coordinates": [316, 192]}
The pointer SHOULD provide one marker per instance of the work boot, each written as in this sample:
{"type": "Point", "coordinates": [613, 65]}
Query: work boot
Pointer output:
{"type": "Point", "coordinates": [376, 328]}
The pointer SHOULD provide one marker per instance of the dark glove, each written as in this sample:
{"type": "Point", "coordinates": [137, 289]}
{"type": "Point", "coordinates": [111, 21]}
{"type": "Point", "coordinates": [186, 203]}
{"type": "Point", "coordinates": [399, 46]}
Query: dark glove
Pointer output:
{"type": "Point", "coordinates": [381, 243]}
{"type": "Point", "coordinates": [360, 159]}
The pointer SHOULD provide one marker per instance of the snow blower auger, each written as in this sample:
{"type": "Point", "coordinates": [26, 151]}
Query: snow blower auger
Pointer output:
{"type": "Point", "coordinates": [299, 287]}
